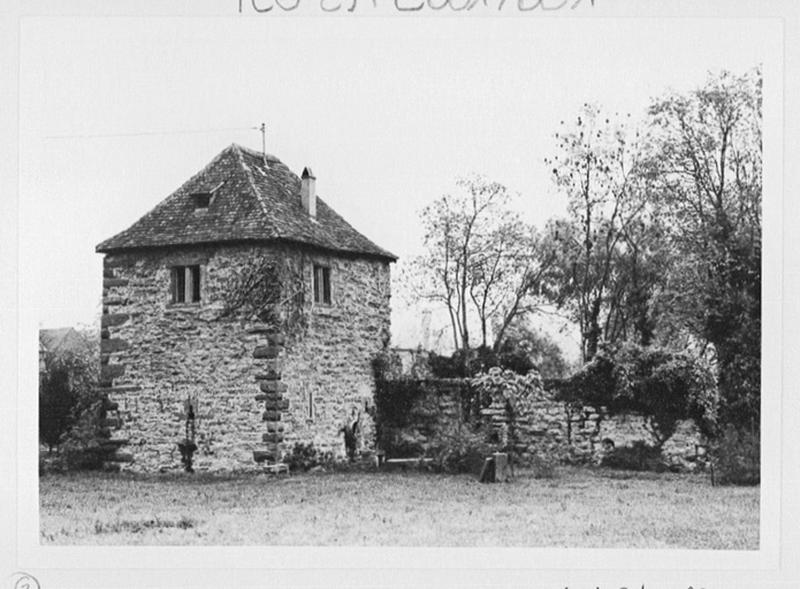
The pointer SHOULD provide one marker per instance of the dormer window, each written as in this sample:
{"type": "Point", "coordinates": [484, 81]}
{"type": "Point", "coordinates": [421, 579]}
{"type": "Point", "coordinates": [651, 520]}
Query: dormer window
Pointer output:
{"type": "Point", "coordinates": [201, 200]}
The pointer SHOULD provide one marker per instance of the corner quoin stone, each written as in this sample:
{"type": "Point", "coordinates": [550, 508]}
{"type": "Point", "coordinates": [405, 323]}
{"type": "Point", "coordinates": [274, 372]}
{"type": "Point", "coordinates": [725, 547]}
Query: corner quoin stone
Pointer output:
{"type": "Point", "coordinates": [272, 415]}
{"type": "Point", "coordinates": [111, 371]}
{"type": "Point", "coordinates": [108, 346]}
{"type": "Point", "coordinates": [273, 386]}
{"type": "Point", "coordinates": [113, 319]}
{"type": "Point", "coordinates": [267, 352]}
{"type": "Point", "coordinates": [112, 282]}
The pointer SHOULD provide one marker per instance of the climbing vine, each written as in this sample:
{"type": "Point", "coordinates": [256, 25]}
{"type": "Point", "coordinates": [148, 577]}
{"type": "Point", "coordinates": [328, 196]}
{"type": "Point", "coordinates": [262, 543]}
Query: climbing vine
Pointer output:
{"type": "Point", "coordinates": [267, 290]}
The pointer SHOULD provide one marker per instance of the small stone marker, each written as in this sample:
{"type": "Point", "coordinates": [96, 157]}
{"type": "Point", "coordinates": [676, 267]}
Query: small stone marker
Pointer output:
{"type": "Point", "coordinates": [487, 472]}
{"type": "Point", "coordinates": [496, 469]}
{"type": "Point", "coordinates": [502, 470]}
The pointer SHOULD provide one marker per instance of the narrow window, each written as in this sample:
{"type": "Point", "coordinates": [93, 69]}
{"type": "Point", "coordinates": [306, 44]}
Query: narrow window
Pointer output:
{"type": "Point", "coordinates": [311, 404]}
{"type": "Point", "coordinates": [178, 285]}
{"type": "Point", "coordinates": [186, 284]}
{"type": "Point", "coordinates": [322, 285]}
{"type": "Point", "coordinates": [195, 272]}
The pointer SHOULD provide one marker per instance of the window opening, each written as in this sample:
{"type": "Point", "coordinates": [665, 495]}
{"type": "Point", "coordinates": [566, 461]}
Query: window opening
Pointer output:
{"type": "Point", "coordinates": [186, 284]}
{"type": "Point", "coordinates": [322, 284]}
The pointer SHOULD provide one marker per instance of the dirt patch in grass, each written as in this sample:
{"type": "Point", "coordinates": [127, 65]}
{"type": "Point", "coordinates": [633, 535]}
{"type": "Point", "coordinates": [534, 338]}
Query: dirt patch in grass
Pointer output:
{"type": "Point", "coordinates": [579, 508]}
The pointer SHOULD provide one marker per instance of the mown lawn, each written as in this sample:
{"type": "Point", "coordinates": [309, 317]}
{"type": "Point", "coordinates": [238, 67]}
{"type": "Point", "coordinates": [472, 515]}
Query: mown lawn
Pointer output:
{"type": "Point", "coordinates": [588, 508]}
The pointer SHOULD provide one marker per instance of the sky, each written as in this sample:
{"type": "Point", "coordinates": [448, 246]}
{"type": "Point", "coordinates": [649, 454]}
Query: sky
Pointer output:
{"type": "Point", "coordinates": [115, 113]}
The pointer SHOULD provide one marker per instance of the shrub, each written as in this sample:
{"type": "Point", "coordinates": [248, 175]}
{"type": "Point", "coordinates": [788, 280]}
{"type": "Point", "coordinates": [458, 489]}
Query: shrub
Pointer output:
{"type": "Point", "coordinates": [543, 466]}
{"type": "Point", "coordinates": [524, 349]}
{"type": "Point", "coordinates": [70, 411]}
{"type": "Point", "coordinates": [408, 413]}
{"type": "Point", "coordinates": [664, 387]}
{"type": "Point", "coordinates": [447, 366]}
{"type": "Point", "coordinates": [736, 457]}
{"type": "Point", "coordinates": [305, 457]}
{"type": "Point", "coordinates": [517, 393]}
{"type": "Point", "coordinates": [638, 456]}
{"type": "Point", "coordinates": [57, 402]}
{"type": "Point", "coordinates": [461, 451]}
{"type": "Point", "coordinates": [386, 365]}
{"type": "Point", "coordinates": [512, 355]}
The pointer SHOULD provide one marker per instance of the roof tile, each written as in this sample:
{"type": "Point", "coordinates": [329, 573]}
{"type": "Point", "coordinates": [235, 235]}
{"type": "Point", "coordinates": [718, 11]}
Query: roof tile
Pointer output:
{"type": "Point", "coordinates": [254, 199]}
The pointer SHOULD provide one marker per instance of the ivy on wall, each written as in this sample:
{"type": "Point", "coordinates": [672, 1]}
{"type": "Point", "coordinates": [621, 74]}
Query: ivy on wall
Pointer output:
{"type": "Point", "coordinates": [268, 290]}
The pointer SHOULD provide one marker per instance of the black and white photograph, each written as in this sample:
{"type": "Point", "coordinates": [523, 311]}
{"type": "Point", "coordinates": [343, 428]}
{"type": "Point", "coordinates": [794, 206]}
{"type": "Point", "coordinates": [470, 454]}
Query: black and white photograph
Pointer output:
{"type": "Point", "coordinates": [503, 286]}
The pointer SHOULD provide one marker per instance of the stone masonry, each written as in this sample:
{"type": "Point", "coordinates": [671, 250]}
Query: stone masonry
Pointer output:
{"type": "Point", "coordinates": [549, 428]}
{"type": "Point", "coordinates": [258, 391]}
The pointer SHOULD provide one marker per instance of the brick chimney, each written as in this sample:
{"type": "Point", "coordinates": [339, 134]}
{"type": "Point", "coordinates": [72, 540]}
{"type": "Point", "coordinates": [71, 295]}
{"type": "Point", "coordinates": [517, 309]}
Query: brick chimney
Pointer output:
{"type": "Point", "coordinates": [308, 192]}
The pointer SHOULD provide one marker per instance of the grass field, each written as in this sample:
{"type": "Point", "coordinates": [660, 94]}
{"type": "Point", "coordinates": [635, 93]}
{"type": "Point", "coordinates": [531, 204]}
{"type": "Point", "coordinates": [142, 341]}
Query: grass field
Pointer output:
{"type": "Point", "coordinates": [579, 508]}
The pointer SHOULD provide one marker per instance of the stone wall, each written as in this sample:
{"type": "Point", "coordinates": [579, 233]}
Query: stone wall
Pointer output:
{"type": "Point", "coordinates": [545, 427]}
{"type": "Point", "coordinates": [257, 390]}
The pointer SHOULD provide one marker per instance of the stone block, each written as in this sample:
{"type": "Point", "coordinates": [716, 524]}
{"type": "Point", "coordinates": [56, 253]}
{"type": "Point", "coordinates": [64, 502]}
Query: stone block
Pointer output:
{"type": "Point", "coordinates": [259, 328]}
{"type": "Point", "coordinates": [112, 282]}
{"type": "Point", "coordinates": [121, 457]}
{"type": "Point", "coordinates": [268, 397]}
{"type": "Point", "coordinates": [111, 371]}
{"type": "Point", "coordinates": [108, 346]}
{"type": "Point", "coordinates": [111, 422]}
{"type": "Point", "coordinates": [271, 416]}
{"type": "Point", "coordinates": [263, 456]}
{"type": "Point", "coordinates": [273, 386]}
{"type": "Point", "coordinates": [276, 339]}
{"type": "Point", "coordinates": [280, 405]}
{"type": "Point", "coordinates": [267, 352]}
{"type": "Point", "coordinates": [113, 319]}
{"type": "Point", "coordinates": [120, 389]}
{"type": "Point", "coordinates": [113, 444]}
{"type": "Point", "coordinates": [272, 438]}
{"type": "Point", "coordinates": [268, 374]}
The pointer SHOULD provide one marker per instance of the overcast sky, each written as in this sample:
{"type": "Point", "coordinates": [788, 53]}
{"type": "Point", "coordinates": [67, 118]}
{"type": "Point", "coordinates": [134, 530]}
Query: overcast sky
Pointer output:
{"type": "Point", "coordinates": [388, 112]}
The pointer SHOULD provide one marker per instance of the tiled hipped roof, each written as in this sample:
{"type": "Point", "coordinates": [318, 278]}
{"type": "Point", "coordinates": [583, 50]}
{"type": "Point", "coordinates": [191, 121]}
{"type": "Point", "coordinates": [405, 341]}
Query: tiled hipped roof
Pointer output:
{"type": "Point", "coordinates": [252, 201]}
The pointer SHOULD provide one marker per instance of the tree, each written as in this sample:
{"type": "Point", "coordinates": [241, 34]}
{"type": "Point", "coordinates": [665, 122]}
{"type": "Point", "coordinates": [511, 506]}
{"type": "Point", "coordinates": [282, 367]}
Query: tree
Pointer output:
{"type": "Point", "coordinates": [635, 307]}
{"type": "Point", "coordinates": [68, 395]}
{"type": "Point", "coordinates": [664, 387]}
{"type": "Point", "coordinates": [705, 169]}
{"type": "Point", "coordinates": [481, 261]}
{"type": "Point", "coordinates": [524, 348]}
{"type": "Point", "coordinates": [56, 405]}
{"type": "Point", "coordinates": [597, 167]}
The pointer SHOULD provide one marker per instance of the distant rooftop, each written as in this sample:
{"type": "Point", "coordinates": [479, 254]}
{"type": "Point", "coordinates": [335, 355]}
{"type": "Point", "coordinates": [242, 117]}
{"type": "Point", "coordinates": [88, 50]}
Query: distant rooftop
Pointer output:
{"type": "Point", "coordinates": [62, 339]}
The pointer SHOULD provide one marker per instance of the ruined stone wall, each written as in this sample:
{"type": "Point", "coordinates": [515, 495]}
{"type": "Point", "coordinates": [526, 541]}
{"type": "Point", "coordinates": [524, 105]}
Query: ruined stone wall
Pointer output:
{"type": "Point", "coordinates": [546, 427]}
{"type": "Point", "coordinates": [253, 385]}
{"type": "Point", "coordinates": [579, 434]}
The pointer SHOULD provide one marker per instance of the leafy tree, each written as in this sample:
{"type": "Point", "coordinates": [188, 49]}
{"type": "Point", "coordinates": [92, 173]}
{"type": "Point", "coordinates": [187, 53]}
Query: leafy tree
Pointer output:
{"type": "Point", "coordinates": [664, 387]}
{"type": "Point", "coordinates": [481, 261]}
{"type": "Point", "coordinates": [597, 167]}
{"type": "Point", "coordinates": [56, 405]}
{"type": "Point", "coordinates": [524, 348]}
{"type": "Point", "coordinates": [704, 168]}
{"type": "Point", "coordinates": [68, 395]}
